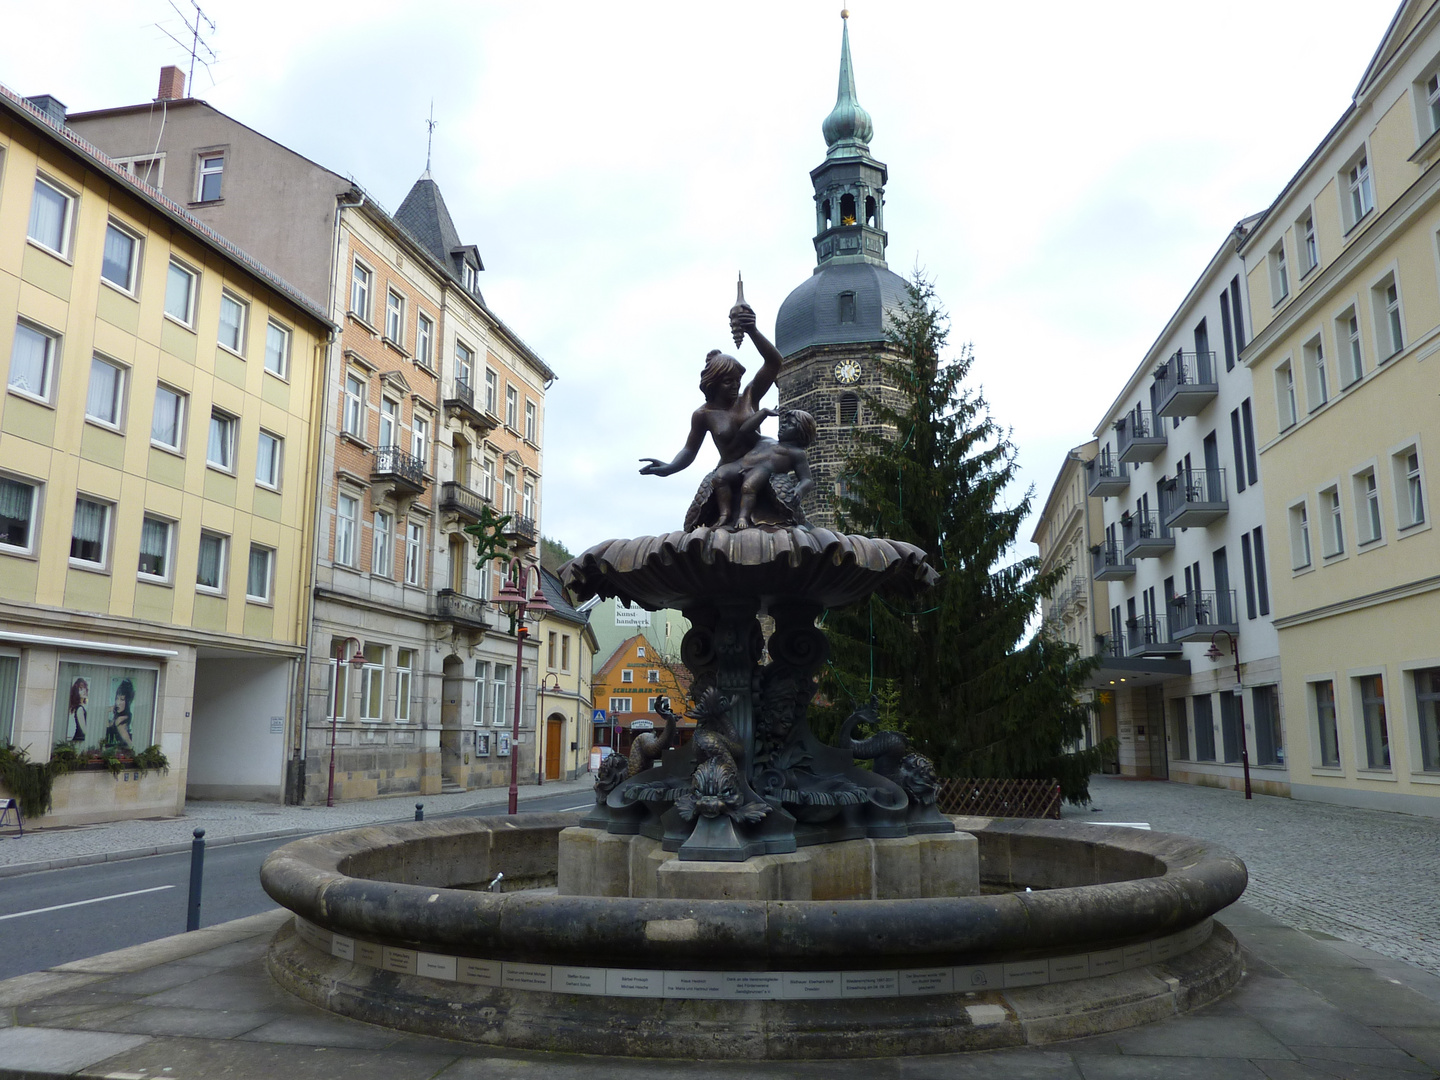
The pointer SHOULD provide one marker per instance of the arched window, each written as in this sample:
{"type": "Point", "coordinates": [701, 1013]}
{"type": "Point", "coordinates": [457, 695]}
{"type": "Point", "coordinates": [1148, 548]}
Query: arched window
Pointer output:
{"type": "Point", "coordinates": [825, 213]}
{"type": "Point", "coordinates": [847, 209]}
{"type": "Point", "coordinates": [847, 307]}
{"type": "Point", "coordinates": [849, 408]}
{"type": "Point", "coordinates": [870, 210]}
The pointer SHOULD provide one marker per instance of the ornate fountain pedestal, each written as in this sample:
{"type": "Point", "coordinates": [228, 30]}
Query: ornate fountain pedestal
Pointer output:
{"type": "Point", "coordinates": [755, 780]}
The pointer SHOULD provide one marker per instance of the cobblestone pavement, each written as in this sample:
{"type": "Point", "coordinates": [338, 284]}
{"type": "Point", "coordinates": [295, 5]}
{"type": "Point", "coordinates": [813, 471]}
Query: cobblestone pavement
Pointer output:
{"type": "Point", "coordinates": [1365, 876]}
{"type": "Point", "coordinates": [229, 820]}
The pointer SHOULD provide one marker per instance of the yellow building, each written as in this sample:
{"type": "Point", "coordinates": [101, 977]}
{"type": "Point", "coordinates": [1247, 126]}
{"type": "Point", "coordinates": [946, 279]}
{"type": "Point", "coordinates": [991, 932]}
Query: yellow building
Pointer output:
{"type": "Point", "coordinates": [157, 455]}
{"type": "Point", "coordinates": [1345, 301]}
{"type": "Point", "coordinates": [566, 693]}
{"type": "Point", "coordinates": [626, 686]}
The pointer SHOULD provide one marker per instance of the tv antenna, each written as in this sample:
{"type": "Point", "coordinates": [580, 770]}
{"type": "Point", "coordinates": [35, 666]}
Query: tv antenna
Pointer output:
{"type": "Point", "coordinates": [196, 28]}
{"type": "Point", "coordinates": [430, 133]}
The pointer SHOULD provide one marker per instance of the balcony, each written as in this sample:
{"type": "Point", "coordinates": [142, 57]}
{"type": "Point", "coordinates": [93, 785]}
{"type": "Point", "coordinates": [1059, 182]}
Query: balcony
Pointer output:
{"type": "Point", "coordinates": [1145, 537]}
{"type": "Point", "coordinates": [1105, 476]}
{"type": "Point", "coordinates": [459, 500]}
{"type": "Point", "coordinates": [466, 611]}
{"type": "Point", "coordinates": [397, 471]}
{"type": "Point", "coordinates": [461, 402]}
{"type": "Point", "coordinates": [1195, 616]}
{"type": "Point", "coordinates": [1194, 499]}
{"type": "Point", "coordinates": [1138, 437]}
{"type": "Point", "coordinates": [1185, 384]}
{"type": "Point", "coordinates": [521, 531]}
{"type": "Point", "coordinates": [1107, 563]}
{"type": "Point", "coordinates": [1148, 635]}
{"type": "Point", "coordinates": [1109, 647]}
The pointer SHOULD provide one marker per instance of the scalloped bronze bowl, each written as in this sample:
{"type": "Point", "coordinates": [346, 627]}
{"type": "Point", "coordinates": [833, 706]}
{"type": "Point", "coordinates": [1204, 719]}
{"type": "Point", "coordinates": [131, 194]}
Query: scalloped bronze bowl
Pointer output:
{"type": "Point", "coordinates": [683, 568]}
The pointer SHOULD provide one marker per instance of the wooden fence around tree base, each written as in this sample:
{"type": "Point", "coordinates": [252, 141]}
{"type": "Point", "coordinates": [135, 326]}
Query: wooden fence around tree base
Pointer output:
{"type": "Point", "coordinates": [999, 798]}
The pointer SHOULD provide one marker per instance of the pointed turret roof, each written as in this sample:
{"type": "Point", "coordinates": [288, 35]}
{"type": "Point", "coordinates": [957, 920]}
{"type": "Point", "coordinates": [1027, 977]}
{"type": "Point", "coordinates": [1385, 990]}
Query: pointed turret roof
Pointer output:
{"type": "Point", "coordinates": [425, 217]}
{"type": "Point", "coordinates": [848, 128]}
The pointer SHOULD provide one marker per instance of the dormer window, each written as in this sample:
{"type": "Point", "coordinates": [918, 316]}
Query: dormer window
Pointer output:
{"type": "Point", "coordinates": [847, 307]}
{"type": "Point", "coordinates": [469, 277]}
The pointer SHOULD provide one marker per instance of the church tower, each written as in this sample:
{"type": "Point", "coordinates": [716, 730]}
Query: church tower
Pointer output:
{"type": "Point", "coordinates": [831, 330]}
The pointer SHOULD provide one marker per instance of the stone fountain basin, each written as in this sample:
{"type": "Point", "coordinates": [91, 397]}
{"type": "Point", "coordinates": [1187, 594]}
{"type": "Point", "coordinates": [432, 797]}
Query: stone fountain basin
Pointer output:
{"type": "Point", "coordinates": [389, 930]}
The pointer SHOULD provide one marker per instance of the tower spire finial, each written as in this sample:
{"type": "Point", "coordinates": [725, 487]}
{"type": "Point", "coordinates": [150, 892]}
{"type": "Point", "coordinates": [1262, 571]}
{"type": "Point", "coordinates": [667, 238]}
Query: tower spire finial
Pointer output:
{"type": "Point", "coordinates": [429, 135]}
{"type": "Point", "coordinates": [848, 128]}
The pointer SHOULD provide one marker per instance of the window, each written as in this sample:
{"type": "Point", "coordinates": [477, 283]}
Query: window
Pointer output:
{"type": "Point", "coordinates": [1432, 102]}
{"type": "Point", "coordinates": [394, 316]}
{"type": "Point", "coordinates": [404, 666]}
{"type": "Point", "coordinates": [1230, 727]}
{"type": "Point", "coordinates": [220, 450]}
{"type": "Point", "coordinates": [120, 258]}
{"type": "Point", "coordinates": [527, 501]}
{"type": "Point", "coordinates": [1427, 711]}
{"type": "Point", "coordinates": [180, 293]}
{"type": "Point", "coordinates": [1372, 712]}
{"type": "Point", "coordinates": [353, 421]}
{"type": "Point", "coordinates": [465, 366]}
{"type": "Point", "coordinates": [1388, 325]}
{"type": "Point", "coordinates": [1284, 399]}
{"type": "Point", "coordinates": [209, 176]}
{"type": "Point", "coordinates": [1367, 507]}
{"type": "Point", "coordinates": [1252, 463]}
{"type": "Point", "coordinates": [360, 282]}
{"type": "Point", "coordinates": [420, 438]}
{"type": "Point", "coordinates": [1204, 728]}
{"type": "Point", "coordinates": [105, 400]}
{"type": "Point", "coordinates": [492, 391]}
{"type": "Point", "coordinates": [512, 407]}
{"type": "Point", "coordinates": [469, 277]}
{"type": "Point", "coordinates": [847, 307]}
{"type": "Point", "coordinates": [32, 361]}
{"type": "Point", "coordinates": [167, 422]}
{"type": "Point", "coordinates": [1299, 537]}
{"type": "Point", "coordinates": [1409, 487]}
{"type": "Point", "coordinates": [552, 646]}
{"type": "Point", "coordinates": [1323, 697]}
{"type": "Point", "coordinates": [372, 683]}
{"type": "Point", "coordinates": [1347, 332]}
{"type": "Point", "coordinates": [481, 677]}
{"type": "Point", "coordinates": [627, 676]}
{"type": "Point", "coordinates": [487, 479]}
{"type": "Point", "coordinates": [1279, 274]}
{"type": "Point", "coordinates": [149, 170]}
{"type": "Point", "coordinates": [1269, 737]}
{"type": "Point", "coordinates": [155, 536]}
{"type": "Point", "coordinates": [531, 427]}
{"type": "Point", "coordinates": [259, 575]}
{"type": "Point", "coordinates": [51, 212]}
{"type": "Point", "coordinates": [849, 409]}
{"type": "Point", "coordinates": [210, 568]}
{"type": "Point", "coordinates": [640, 651]}
{"type": "Point", "coordinates": [347, 517]}
{"type": "Point", "coordinates": [425, 342]}
{"type": "Point", "coordinates": [619, 705]}
{"type": "Point", "coordinates": [564, 652]}
{"type": "Point", "coordinates": [1180, 725]}
{"type": "Point", "coordinates": [500, 695]}
{"type": "Point", "coordinates": [277, 349]}
{"type": "Point", "coordinates": [268, 460]}
{"type": "Point", "coordinates": [389, 421]}
{"type": "Point", "coordinates": [1226, 332]}
{"type": "Point", "coordinates": [414, 552]}
{"type": "Point", "coordinates": [382, 554]}
{"type": "Point", "coordinates": [19, 504]}
{"type": "Point", "coordinates": [100, 704]}
{"type": "Point", "coordinates": [1317, 381]}
{"type": "Point", "coordinates": [1332, 525]}
{"type": "Point", "coordinates": [1262, 576]}
{"type": "Point", "coordinates": [509, 484]}
{"type": "Point", "coordinates": [1360, 199]}
{"type": "Point", "coordinates": [232, 323]}
{"type": "Point", "coordinates": [1309, 249]}
{"type": "Point", "coordinates": [652, 676]}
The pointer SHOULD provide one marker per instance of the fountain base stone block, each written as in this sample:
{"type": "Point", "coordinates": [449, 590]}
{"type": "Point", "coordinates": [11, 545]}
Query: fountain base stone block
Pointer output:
{"type": "Point", "coordinates": [596, 863]}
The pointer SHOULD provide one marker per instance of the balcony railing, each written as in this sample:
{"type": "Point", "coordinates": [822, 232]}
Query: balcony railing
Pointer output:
{"type": "Point", "coordinates": [522, 530]}
{"type": "Point", "coordinates": [461, 500]}
{"type": "Point", "coordinates": [1105, 476]}
{"type": "Point", "coordinates": [399, 467]}
{"type": "Point", "coordinates": [1200, 614]}
{"type": "Point", "coordinates": [1109, 647]}
{"type": "Point", "coordinates": [1149, 635]}
{"type": "Point", "coordinates": [1108, 564]}
{"type": "Point", "coordinates": [1145, 537]}
{"type": "Point", "coordinates": [1194, 499]}
{"type": "Point", "coordinates": [1185, 384]}
{"type": "Point", "coordinates": [462, 610]}
{"type": "Point", "coordinates": [1138, 437]}
{"type": "Point", "coordinates": [461, 400]}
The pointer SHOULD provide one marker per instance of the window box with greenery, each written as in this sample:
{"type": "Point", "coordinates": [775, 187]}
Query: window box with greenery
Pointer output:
{"type": "Point", "coordinates": [32, 783]}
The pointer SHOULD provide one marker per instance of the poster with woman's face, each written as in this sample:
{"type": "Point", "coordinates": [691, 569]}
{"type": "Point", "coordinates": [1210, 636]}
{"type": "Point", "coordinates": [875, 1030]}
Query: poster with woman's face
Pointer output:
{"type": "Point", "coordinates": [99, 706]}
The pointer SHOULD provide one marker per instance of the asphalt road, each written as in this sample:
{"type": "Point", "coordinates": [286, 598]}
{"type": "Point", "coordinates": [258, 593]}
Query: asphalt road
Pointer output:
{"type": "Point", "coordinates": [55, 916]}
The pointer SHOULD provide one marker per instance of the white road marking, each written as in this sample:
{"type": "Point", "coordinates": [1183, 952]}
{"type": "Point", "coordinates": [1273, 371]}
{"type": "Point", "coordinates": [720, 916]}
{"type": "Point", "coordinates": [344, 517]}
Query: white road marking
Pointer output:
{"type": "Point", "coordinates": [82, 903]}
{"type": "Point", "coordinates": [582, 806]}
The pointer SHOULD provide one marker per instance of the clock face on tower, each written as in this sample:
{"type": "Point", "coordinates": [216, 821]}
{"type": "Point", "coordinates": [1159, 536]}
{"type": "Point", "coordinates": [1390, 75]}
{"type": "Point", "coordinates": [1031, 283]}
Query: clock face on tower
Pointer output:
{"type": "Point", "coordinates": [847, 372]}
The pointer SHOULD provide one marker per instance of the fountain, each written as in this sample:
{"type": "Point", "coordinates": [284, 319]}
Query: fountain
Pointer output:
{"type": "Point", "coordinates": [755, 893]}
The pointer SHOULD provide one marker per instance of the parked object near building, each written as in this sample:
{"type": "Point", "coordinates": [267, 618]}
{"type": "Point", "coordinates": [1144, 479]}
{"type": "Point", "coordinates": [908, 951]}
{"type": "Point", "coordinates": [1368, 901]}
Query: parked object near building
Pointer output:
{"type": "Point", "coordinates": [1343, 285]}
{"type": "Point", "coordinates": [156, 483]}
{"type": "Point", "coordinates": [433, 411]}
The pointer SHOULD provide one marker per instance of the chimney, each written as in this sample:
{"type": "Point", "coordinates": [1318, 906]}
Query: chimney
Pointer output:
{"type": "Point", "coordinates": [172, 84]}
{"type": "Point", "coordinates": [53, 108]}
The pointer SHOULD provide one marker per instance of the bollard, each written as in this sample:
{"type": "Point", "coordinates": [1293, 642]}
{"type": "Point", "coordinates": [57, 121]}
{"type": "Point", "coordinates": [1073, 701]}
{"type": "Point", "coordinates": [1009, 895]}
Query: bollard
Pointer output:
{"type": "Point", "coordinates": [197, 874]}
{"type": "Point", "coordinates": [419, 811]}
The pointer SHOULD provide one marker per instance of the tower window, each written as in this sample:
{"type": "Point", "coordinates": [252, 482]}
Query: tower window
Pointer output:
{"type": "Point", "coordinates": [847, 209]}
{"type": "Point", "coordinates": [849, 408]}
{"type": "Point", "coordinates": [870, 211]}
{"type": "Point", "coordinates": [847, 307]}
{"type": "Point", "coordinates": [825, 213]}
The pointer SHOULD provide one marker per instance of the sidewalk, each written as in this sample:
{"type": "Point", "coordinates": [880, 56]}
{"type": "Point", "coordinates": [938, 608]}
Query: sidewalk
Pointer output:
{"type": "Point", "coordinates": [236, 822]}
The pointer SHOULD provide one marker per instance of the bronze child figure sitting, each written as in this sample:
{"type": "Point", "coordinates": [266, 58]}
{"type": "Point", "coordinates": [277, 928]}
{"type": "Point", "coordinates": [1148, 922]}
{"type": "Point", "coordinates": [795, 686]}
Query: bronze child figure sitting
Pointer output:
{"type": "Point", "coordinates": [751, 475]}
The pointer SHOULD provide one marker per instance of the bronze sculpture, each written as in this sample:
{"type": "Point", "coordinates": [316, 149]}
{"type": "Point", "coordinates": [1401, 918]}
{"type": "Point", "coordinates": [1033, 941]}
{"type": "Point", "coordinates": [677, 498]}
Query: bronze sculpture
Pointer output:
{"type": "Point", "coordinates": [646, 748]}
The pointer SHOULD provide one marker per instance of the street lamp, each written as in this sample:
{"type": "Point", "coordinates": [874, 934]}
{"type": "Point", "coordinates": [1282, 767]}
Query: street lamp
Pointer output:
{"type": "Point", "coordinates": [512, 595]}
{"type": "Point", "coordinates": [1214, 653]}
{"type": "Point", "coordinates": [357, 662]}
{"type": "Point", "coordinates": [542, 689]}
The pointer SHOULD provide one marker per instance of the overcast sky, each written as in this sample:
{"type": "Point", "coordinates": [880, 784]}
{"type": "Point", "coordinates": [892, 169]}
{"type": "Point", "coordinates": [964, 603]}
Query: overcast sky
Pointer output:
{"type": "Point", "coordinates": [1063, 171]}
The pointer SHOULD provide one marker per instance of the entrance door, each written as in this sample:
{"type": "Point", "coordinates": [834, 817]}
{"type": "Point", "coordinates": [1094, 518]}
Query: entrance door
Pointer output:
{"type": "Point", "coordinates": [554, 732]}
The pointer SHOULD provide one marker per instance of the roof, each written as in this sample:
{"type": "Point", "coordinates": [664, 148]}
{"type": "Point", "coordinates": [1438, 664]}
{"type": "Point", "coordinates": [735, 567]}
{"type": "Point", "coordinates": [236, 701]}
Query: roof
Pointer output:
{"type": "Point", "coordinates": [613, 661]}
{"type": "Point", "coordinates": [555, 596]}
{"type": "Point", "coordinates": [810, 315]}
{"type": "Point", "coordinates": [90, 155]}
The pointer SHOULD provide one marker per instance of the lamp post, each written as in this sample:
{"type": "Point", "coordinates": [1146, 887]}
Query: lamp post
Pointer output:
{"type": "Point", "coordinates": [512, 596]}
{"type": "Point", "coordinates": [1214, 653]}
{"type": "Point", "coordinates": [357, 662]}
{"type": "Point", "coordinates": [542, 690]}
